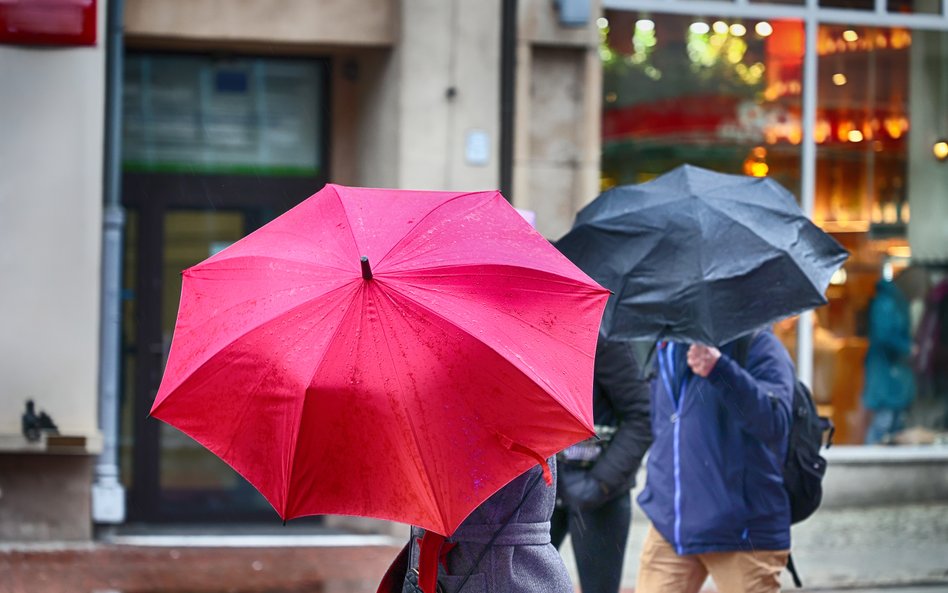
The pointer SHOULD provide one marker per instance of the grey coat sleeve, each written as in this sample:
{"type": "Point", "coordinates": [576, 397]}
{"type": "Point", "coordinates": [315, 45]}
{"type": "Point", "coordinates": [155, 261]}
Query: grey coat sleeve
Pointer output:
{"type": "Point", "coordinates": [620, 381]}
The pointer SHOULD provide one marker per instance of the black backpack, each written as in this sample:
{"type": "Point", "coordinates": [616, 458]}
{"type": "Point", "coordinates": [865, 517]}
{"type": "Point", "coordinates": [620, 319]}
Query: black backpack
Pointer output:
{"type": "Point", "coordinates": [804, 467]}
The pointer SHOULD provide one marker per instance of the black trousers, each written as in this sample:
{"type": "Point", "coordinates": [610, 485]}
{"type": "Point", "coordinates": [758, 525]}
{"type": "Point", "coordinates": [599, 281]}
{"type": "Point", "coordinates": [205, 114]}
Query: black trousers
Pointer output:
{"type": "Point", "coordinates": [599, 537]}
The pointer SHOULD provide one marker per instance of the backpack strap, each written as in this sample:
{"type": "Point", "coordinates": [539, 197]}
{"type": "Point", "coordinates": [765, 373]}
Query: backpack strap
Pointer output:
{"type": "Point", "coordinates": [793, 572]}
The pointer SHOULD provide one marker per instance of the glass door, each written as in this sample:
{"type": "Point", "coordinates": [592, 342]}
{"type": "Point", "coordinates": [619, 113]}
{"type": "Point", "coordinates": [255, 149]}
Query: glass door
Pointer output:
{"type": "Point", "coordinates": [169, 475]}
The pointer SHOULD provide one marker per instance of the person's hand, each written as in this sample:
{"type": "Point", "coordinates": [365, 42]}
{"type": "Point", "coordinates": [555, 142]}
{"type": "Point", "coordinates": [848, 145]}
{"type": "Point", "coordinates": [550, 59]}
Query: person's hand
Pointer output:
{"type": "Point", "coordinates": [702, 359]}
{"type": "Point", "coordinates": [580, 490]}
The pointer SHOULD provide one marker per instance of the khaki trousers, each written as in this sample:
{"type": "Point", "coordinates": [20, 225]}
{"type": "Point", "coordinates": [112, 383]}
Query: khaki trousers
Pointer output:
{"type": "Point", "coordinates": [662, 570]}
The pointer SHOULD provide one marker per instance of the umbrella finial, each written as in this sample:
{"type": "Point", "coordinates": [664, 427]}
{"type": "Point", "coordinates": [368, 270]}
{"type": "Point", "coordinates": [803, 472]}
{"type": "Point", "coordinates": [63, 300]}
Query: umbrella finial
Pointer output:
{"type": "Point", "coordinates": [366, 268]}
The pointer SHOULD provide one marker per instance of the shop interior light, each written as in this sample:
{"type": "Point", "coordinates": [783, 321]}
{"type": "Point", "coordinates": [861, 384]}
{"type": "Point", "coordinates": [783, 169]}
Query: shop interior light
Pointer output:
{"type": "Point", "coordinates": [764, 29]}
{"type": "Point", "coordinates": [850, 35]}
{"type": "Point", "coordinates": [854, 136]}
{"type": "Point", "coordinates": [699, 28]}
{"type": "Point", "coordinates": [839, 277]}
{"type": "Point", "coordinates": [940, 150]}
{"type": "Point", "coordinates": [645, 25]}
{"type": "Point", "coordinates": [839, 79]}
{"type": "Point", "coordinates": [602, 22]}
{"type": "Point", "coordinates": [720, 27]}
{"type": "Point", "coordinates": [738, 30]}
{"type": "Point", "coordinates": [900, 251]}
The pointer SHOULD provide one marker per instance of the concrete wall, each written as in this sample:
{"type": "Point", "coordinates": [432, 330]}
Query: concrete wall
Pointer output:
{"type": "Point", "coordinates": [269, 22]}
{"type": "Point", "coordinates": [45, 497]}
{"type": "Point", "coordinates": [448, 62]}
{"type": "Point", "coordinates": [51, 151]}
{"type": "Point", "coordinates": [860, 475]}
{"type": "Point", "coordinates": [559, 88]}
{"type": "Point", "coordinates": [52, 101]}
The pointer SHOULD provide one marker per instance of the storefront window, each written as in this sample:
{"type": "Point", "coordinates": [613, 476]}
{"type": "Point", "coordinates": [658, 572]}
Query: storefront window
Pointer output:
{"type": "Point", "coordinates": [726, 94]}
{"type": "Point", "coordinates": [718, 93]}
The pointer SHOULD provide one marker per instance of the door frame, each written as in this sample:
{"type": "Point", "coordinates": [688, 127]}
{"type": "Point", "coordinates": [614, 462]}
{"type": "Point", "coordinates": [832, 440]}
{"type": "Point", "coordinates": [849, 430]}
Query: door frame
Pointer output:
{"type": "Point", "coordinates": [152, 195]}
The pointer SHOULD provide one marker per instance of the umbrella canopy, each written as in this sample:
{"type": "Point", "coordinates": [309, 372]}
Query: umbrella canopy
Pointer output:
{"type": "Point", "coordinates": [700, 256]}
{"type": "Point", "coordinates": [382, 353]}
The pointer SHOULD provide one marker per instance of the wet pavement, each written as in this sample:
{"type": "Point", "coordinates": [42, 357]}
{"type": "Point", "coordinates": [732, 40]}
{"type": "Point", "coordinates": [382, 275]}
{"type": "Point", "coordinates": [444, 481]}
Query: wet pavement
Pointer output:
{"type": "Point", "coordinates": [900, 549]}
{"type": "Point", "coordinates": [134, 569]}
{"type": "Point", "coordinates": [852, 549]}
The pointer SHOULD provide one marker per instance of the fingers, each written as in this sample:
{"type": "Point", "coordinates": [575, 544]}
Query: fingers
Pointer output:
{"type": "Point", "coordinates": [702, 359]}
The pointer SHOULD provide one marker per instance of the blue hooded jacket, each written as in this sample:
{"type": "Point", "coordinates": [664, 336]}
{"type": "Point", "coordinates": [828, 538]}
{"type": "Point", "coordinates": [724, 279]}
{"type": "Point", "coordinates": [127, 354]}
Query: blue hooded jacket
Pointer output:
{"type": "Point", "coordinates": [715, 470]}
{"type": "Point", "coordinates": [890, 382]}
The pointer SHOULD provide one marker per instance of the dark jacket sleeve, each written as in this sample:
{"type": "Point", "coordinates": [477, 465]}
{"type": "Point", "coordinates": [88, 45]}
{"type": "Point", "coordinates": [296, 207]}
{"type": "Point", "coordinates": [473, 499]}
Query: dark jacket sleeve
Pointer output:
{"type": "Point", "coordinates": [760, 396]}
{"type": "Point", "coordinates": [620, 381]}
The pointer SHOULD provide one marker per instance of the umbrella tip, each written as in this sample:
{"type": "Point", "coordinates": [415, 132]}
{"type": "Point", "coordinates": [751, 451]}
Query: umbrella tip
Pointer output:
{"type": "Point", "coordinates": [366, 268]}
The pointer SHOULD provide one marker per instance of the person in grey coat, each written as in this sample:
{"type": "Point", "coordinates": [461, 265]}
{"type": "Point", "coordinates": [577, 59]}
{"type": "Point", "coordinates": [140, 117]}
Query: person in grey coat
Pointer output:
{"type": "Point", "coordinates": [596, 476]}
{"type": "Point", "coordinates": [502, 547]}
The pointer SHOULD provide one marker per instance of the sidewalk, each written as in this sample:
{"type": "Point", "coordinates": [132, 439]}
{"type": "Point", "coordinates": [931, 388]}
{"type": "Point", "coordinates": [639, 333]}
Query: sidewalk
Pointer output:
{"type": "Point", "coordinates": [836, 549]}
{"type": "Point", "coordinates": [848, 548]}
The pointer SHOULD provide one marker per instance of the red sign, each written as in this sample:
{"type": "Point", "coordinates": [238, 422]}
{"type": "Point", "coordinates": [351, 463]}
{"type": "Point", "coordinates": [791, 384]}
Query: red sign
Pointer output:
{"type": "Point", "coordinates": [48, 22]}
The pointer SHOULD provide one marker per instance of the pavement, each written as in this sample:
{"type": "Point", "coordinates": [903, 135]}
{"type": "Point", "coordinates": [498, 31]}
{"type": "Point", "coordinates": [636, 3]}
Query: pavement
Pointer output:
{"type": "Point", "coordinates": [848, 549]}
{"type": "Point", "coordinates": [894, 549]}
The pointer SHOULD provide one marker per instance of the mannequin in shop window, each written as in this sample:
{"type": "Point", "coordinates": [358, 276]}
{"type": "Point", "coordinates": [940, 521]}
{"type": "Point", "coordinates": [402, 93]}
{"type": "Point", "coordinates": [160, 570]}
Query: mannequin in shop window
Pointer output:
{"type": "Point", "coordinates": [890, 383]}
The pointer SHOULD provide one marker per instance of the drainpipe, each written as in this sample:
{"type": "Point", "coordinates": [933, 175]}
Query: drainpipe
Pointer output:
{"type": "Point", "coordinates": [508, 82]}
{"type": "Point", "coordinates": [108, 494]}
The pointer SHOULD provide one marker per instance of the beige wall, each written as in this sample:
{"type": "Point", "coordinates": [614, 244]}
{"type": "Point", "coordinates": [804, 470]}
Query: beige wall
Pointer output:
{"type": "Point", "coordinates": [270, 22]}
{"type": "Point", "coordinates": [556, 147]}
{"type": "Point", "coordinates": [52, 101]}
{"type": "Point", "coordinates": [447, 44]}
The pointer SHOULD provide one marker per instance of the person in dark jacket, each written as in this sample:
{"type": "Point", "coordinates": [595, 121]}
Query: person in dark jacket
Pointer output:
{"type": "Point", "coordinates": [594, 504]}
{"type": "Point", "coordinates": [714, 489]}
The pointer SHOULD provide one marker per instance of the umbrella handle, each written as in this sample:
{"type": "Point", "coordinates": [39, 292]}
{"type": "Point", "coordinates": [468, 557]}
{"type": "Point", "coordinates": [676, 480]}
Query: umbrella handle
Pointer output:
{"type": "Point", "coordinates": [428, 561]}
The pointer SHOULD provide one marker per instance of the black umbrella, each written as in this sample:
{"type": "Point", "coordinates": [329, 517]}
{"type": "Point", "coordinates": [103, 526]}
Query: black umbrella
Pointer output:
{"type": "Point", "coordinates": [701, 256]}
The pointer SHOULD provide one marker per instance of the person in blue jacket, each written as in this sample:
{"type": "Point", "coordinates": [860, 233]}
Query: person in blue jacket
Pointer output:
{"type": "Point", "coordinates": [714, 488]}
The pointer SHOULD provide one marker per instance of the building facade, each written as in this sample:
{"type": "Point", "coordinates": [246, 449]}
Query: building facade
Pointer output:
{"type": "Point", "coordinates": [225, 115]}
{"type": "Point", "coordinates": [182, 126]}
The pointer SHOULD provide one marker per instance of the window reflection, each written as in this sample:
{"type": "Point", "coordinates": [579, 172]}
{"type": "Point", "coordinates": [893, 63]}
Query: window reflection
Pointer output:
{"type": "Point", "coordinates": [714, 92]}
{"type": "Point", "coordinates": [726, 94]}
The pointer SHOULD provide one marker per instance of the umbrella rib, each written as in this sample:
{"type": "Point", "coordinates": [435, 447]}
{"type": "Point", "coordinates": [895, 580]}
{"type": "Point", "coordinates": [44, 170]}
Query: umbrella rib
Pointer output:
{"type": "Point", "coordinates": [280, 314]}
{"type": "Point", "coordinates": [345, 213]}
{"type": "Point", "coordinates": [288, 473]}
{"type": "Point", "coordinates": [490, 195]}
{"type": "Point", "coordinates": [452, 323]}
{"type": "Point", "coordinates": [288, 469]}
{"type": "Point", "coordinates": [316, 367]}
{"type": "Point", "coordinates": [750, 229]}
{"type": "Point", "coordinates": [217, 264]}
{"type": "Point", "coordinates": [553, 279]}
{"type": "Point", "coordinates": [411, 422]}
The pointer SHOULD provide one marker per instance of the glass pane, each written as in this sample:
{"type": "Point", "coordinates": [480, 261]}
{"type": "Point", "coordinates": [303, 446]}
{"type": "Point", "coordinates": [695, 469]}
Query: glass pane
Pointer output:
{"type": "Point", "coordinates": [853, 4]}
{"type": "Point", "coordinates": [714, 92]}
{"type": "Point", "coordinates": [880, 106]}
{"type": "Point", "coordinates": [188, 471]}
{"type": "Point", "coordinates": [197, 114]}
{"type": "Point", "coordinates": [914, 6]}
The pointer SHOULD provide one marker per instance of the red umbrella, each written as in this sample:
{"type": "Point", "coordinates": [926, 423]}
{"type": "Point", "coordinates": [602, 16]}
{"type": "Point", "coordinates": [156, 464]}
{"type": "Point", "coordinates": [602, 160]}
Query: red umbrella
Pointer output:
{"type": "Point", "coordinates": [383, 353]}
